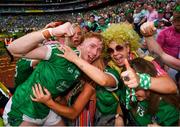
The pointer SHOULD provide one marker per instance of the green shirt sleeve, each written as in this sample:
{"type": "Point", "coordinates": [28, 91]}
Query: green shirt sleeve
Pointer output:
{"type": "Point", "coordinates": [115, 75]}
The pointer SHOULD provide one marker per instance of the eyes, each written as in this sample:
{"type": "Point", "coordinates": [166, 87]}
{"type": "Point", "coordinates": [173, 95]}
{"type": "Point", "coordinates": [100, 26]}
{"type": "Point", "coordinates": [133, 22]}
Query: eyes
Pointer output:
{"type": "Point", "coordinates": [93, 46]}
{"type": "Point", "coordinates": [117, 48]}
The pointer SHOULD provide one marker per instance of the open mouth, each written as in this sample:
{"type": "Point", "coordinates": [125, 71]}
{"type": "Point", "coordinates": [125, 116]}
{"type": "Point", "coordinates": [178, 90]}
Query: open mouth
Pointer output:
{"type": "Point", "coordinates": [90, 58]}
{"type": "Point", "coordinates": [119, 59]}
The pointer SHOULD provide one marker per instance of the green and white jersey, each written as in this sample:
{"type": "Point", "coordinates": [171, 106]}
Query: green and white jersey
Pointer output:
{"type": "Point", "coordinates": [56, 74]}
{"type": "Point", "coordinates": [106, 102]}
{"type": "Point", "coordinates": [23, 70]}
{"type": "Point", "coordinates": [167, 114]}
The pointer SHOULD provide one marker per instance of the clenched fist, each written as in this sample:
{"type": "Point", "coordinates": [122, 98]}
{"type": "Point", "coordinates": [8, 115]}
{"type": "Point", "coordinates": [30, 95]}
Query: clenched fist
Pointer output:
{"type": "Point", "coordinates": [148, 29]}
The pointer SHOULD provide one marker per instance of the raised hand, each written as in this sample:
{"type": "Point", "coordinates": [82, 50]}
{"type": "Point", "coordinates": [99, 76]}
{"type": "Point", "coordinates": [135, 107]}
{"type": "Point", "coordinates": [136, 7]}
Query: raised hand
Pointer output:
{"type": "Point", "coordinates": [39, 95]}
{"type": "Point", "coordinates": [68, 53]}
{"type": "Point", "coordinates": [53, 24]}
{"type": "Point", "coordinates": [63, 30]}
{"type": "Point", "coordinates": [148, 29]}
{"type": "Point", "coordinates": [129, 76]}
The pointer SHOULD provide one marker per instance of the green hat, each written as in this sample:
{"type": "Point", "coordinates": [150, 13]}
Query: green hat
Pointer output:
{"type": "Point", "coordinates": [161, 11]}
{"type": "Point", "coordinates": [177, 8]}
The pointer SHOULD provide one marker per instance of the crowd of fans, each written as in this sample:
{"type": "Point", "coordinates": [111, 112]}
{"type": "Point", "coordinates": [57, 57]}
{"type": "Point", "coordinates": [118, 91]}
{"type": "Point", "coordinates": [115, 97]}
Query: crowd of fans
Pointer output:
{"type": "Point", "coordinates": [112, 14]}
{"type": "Point", "coordinates": [117, 87]}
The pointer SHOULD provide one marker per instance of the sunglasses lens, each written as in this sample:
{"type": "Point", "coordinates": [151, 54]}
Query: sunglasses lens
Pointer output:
{"type": "Point", "coordinates": [119, 48]}
{"type": "Point", "coordinates": [110, 50]}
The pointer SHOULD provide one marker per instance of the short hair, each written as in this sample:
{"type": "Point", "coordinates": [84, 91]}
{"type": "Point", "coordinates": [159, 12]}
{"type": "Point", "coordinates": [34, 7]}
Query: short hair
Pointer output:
{"type": "Point", "coordinates": [92, 35]}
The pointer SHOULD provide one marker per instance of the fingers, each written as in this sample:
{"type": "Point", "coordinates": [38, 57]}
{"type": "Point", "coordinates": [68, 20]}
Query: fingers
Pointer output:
{"type": "Point", "coordinates": [47, 92]}
{"type": "Point", "coordinates": [127, 65]}
{"type": "Point", "coordinates": [34, 92]}
{"type": "Point", "coordinates": [148, 29]}
{"type": "Point", "coordinates": [129, 78]}
{"type": "Point", "coordinates": [69, 29]}
{"type": "Point", "coordinates": [64, 48]}
{"type": "Point", "coordinates": [34, 99]}
{"type": "Point", "coordinates": [37, 91]}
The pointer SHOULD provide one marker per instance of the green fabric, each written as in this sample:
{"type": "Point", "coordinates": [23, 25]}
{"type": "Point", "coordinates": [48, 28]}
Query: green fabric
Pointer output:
{"type": "Point", "coordinates": [145, 81]}
{"type": "Point", "coordinates": [101, 28]}
{"type": "Point", "coordinates": [127, 12]}
{"type": "Point", "coordinates": [177, 8]}
{"type": "Point", "coordinates": [166, 115]}
{"type": "Point", "coordinates": [106, 102]}
{"type": "Point", "coordinates": [92, 26]}
{"type": "Point", "coordinates": [23, 71]}
{"type": "Point", "coordinates": [56, 74]}
{"type": "Point", "coordinates": [1, 122]}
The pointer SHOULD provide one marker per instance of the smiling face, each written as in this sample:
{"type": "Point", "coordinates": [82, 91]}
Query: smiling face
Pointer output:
{"type": "Point", "coordinates": [91, 49]}
{"type": "Point", "coordinates": [119, 54]}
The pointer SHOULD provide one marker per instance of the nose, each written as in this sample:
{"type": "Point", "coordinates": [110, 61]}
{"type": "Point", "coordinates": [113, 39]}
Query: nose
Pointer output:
{"type": "Point", "coordinates": [75, 35]}
{"type": "Point", "coordinates": [115, 52]}
{"type": "Point", "coordinates": [94, 51]}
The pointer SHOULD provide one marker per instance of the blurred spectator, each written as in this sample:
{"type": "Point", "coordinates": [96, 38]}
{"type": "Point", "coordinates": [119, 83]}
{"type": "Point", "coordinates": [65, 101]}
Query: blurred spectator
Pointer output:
{"type": "Point", "coordinates": [92, 23]}
{"type": "Point", "coordinates": [102, 26]}
{"type": "Point", "coordinates": [153, 15]}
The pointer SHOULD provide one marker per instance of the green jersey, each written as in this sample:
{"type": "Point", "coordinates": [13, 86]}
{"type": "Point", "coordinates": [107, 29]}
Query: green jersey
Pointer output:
{"type": "Point", "coordinates": [166, 115]}
{"type": "Point", "coordinates": [101, 28]}
{"type": "Point", "coordinates": [106, 101]}
{"type": "Point", "coordinates": [56, 74]}
{"type": "Point", "coordinates": [23, 70]}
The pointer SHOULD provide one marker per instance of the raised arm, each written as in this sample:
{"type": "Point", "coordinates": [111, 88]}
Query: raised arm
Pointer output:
{"type": "Point", "coordinates": [97, 75]}
{"type": "Point", "coordinates": [167, 59]}
{"type": "Point", "coordinates": [24, 45]}
{"type": "Point", "coordinates": [63, 110]}
{"type": "Point", "coordinates": [148, 30]}
{"type": "Point", "coordinates": [160, 84]}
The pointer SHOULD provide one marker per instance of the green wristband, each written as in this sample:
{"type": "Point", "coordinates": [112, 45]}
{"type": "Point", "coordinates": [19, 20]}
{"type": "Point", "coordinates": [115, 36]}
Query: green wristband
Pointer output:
{"type": "Point", "coordinates": [145, 81]}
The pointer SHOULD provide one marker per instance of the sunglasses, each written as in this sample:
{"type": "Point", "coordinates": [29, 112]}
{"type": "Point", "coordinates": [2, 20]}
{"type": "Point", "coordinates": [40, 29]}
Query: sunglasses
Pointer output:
{"type": "Point", "coordinates": [117, 48]}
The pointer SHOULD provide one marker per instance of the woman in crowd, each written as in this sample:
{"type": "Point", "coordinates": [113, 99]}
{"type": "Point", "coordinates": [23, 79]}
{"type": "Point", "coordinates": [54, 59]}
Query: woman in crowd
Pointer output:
{"type": "Point", "coordinates": [149, 107]}
{"type": "Point", "coordinates": [121, 40]}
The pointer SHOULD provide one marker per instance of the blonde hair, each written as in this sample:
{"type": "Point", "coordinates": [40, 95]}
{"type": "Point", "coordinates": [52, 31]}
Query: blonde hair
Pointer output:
{"type": "Point", "coordinates": [122, 33]}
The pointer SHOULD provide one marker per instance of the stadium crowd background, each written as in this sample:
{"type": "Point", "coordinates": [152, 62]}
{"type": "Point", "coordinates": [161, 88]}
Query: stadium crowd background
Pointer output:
{"type": "Point", "coordinates": [24, 16]}
{"type": "Point", "coordinates": [27, 18]}
{"type": "Point", "coordinates": [19, 17]}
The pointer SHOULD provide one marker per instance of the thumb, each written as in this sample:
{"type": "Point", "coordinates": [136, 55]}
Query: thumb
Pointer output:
{"type": "Point", "coordinates": [127, 65]}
